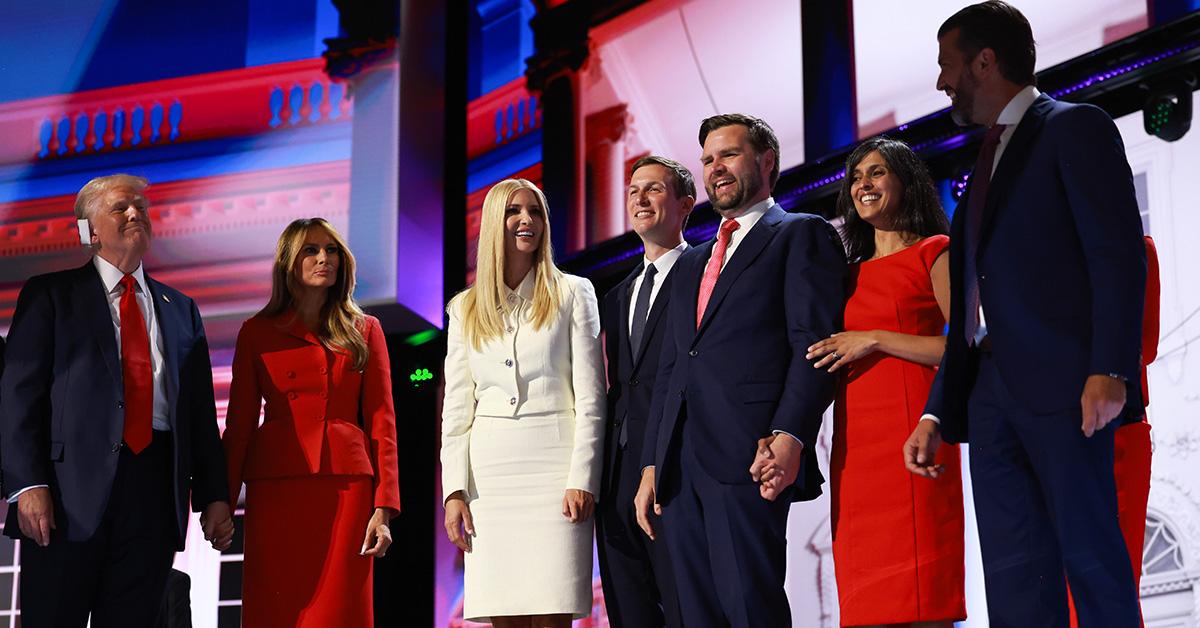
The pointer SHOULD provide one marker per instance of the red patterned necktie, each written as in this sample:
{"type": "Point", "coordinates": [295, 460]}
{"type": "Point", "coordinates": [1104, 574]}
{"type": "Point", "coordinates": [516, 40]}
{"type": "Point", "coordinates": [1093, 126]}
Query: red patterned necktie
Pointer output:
{"type": "Point", "coordinates": [980, 178]}
{"type": "Point", "coordinates": [713, 269]}
{"type": "Point", "coordinates": [136, 369]}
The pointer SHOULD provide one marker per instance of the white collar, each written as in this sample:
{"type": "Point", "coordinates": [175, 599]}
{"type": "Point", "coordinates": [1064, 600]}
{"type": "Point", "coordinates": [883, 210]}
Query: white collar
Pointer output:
{"type": "Point", "coordinates": [1015, 109]}
{"type": "Point", "coordinates": [663, 264]}
{"type": "Point", "coordinates": [751, 216]}
{"type": "Point", "coordinates": [111, 275]}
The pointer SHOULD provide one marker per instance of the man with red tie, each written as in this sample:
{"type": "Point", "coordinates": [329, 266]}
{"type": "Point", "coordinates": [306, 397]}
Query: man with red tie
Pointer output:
{"type": "Point", "coordinates": [107, 425]}
{"type": "Point", "coordinates": [733, 383]}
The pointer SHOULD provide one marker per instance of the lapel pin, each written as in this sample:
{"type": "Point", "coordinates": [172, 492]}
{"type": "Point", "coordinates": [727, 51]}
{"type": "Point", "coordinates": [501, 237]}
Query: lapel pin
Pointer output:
{"type": "Point", "coordinates": [166, 298]}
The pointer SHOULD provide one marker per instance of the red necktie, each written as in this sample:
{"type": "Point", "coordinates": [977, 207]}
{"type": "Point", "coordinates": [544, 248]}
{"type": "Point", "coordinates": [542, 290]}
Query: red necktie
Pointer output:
{"type": "Point", "coordinates": [980, 179]}
{"type": "Point", "coordinates": [713, 269]}
{"type": "Point", "coordinates": [136, 369]}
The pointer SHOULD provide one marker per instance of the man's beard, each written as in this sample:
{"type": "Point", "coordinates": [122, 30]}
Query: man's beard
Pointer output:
{"type": "Point", "coordinates": [752, 185]}
{"type": "Point", "coordinates": [963, 106]}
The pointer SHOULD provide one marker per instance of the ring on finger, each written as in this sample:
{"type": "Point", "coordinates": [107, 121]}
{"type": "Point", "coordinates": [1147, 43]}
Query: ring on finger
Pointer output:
{"type": "Point", "coordinates": [835, 355]}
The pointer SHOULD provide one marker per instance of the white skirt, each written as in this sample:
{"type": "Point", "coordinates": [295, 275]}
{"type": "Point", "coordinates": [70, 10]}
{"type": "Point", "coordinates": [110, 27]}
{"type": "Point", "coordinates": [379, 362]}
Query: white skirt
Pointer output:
{"type": "Point", "coordinates": [525, 558]}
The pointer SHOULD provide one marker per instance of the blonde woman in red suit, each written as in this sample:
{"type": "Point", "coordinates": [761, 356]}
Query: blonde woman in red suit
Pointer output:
{"type": "Point", "coordinates": [321, 470]}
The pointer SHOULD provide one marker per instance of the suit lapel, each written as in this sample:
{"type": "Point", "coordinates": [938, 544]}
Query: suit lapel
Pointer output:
{"type": "Point", "coordinates": [747, 250]}
{"type": "Point", "coordinates": [1015, 155]}
{"type": "Point", "coordinates": [167, 313]}
{"type": "Point", "coordinates": [624, 302]}
{"type": "Point", "coordinates": [99, 319]}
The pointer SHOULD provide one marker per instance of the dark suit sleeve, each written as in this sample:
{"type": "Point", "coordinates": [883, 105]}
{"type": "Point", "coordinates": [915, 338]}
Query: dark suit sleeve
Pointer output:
{"type": "Point", "coordinates": [666, 365]}
{"type": "Point", "coordinates": [209, 483]}
{"type": "Point", "coordinates": [1099, 188]}
{"type": "Point", "coordinates": [25, 391]}
{"type": "Point", "coordinates": [814, 296]}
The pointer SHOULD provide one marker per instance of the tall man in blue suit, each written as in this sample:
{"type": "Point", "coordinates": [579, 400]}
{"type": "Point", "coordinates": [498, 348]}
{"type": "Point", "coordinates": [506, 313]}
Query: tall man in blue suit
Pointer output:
{"type": "Point", "coordinates": [639, 590]}
{"type": "Point", "coordinates": [1047, 271]}
{"type": "Point", "coordinates": [107, 426]}
{"type": "Point", "coordinates": [733, 385]}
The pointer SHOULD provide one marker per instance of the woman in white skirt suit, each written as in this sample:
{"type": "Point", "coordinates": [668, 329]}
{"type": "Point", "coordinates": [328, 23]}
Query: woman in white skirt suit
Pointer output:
{"type": "Point", "coordinates": [522, 422]}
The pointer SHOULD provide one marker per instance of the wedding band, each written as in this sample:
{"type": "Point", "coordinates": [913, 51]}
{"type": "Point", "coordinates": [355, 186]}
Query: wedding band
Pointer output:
{"type": "Point", "coordinates": [836, 356]}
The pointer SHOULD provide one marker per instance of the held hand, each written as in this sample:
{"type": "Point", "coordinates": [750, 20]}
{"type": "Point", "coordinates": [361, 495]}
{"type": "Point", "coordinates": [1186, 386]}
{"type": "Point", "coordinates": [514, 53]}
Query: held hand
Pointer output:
{"type": "Point", "coordinates": [782, 467]}
{"type": "Point", "coordinates": [217, 523]}
{"type": "Point", "coordinates": [644, 500]}
{"type": "Point", "coordinates": [762, 458]}
{"type": "Point", "coordinates": [841, 349]}
{"type": "Point", "coordinates": [578, 505]}
{"type": "Point", "coordinates": [921, 447]}
{"type": "Point", "coordinates": [35, 515]}
{"type": "Point", "coordinates": [379, 535]}
{"type": "Point", "coordinates": [1102, 401]}
{"type": "Point", "coordinates": [459, 526]}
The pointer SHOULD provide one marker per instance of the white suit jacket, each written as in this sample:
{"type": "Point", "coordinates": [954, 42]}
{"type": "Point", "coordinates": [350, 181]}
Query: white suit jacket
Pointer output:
{"type": "Point", "coordinates": [555, 369]}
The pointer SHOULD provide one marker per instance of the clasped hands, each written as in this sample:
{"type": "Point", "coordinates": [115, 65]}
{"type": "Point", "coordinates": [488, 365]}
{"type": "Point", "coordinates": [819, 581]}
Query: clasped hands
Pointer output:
{"type": "Point", "coordinates": [775, 467]}
{"type": "Point", "coordinates": [217, 522]}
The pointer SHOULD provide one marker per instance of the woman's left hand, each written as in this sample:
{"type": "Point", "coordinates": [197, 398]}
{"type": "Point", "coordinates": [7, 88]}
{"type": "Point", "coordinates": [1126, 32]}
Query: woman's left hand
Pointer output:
{"type": "Point", "coordinates": [842, 348]}
{"type": "Point", "coordinates": [379, 535]}
{"type": "Point", "coordinates": [578, 505]}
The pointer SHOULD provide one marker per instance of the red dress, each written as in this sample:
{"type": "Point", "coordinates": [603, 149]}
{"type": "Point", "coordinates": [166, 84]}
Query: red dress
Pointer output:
{"type": "Point", "coordinates": [897, 537]}
{"type": "Point", "coordinates": [323, 459]}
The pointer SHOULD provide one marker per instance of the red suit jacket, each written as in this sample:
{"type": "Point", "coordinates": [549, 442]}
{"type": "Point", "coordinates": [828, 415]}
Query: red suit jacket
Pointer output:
{"type": "Point", "coordinates": [322, 417]}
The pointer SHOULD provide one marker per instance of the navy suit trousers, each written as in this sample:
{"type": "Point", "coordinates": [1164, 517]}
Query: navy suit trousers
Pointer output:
{"type": "Point", "coordinates": [1046, 504]}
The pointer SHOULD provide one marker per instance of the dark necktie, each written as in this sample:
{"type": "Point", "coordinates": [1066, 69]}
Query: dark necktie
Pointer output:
{"type": "Point", "coordinates": [136, 370]}
{"type": "Point", "coordinates": [980, 178]}
{"type": "Point", "coordinates": [641, 310]}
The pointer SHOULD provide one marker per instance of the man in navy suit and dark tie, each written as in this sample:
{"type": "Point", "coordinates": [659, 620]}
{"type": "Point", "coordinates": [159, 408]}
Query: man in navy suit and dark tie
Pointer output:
{"type": "Point", "coordinates": [734, 389]}
{"type": "Point", "coordinates": [639, 590]}
{"type": "Point", "coordinates": [1048, 273]}
{"type": "Point", "coordinates": [107, 426]}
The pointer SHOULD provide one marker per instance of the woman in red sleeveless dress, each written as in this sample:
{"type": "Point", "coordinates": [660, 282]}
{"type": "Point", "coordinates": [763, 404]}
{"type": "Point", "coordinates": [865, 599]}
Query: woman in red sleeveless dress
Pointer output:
{"type": "Point", "coordinates": [897, 537]}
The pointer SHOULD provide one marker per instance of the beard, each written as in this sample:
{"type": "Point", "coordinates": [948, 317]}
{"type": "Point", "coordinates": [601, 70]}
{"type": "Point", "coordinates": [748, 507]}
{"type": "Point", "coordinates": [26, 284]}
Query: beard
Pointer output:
{"type": "Point", "coordinates": [962, 107]}
{"type": "Point", "coordinates": [743, 188]}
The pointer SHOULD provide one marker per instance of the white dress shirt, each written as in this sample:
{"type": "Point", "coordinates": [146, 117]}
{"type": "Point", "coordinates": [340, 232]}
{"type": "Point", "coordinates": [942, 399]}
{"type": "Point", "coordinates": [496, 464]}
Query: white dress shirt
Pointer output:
{"type": "Point", "coordinates": [745, 222]}
{"type": "Point", "coordinates": [111, 277]}
{"type": "Point", "coordinates": [662, 266]}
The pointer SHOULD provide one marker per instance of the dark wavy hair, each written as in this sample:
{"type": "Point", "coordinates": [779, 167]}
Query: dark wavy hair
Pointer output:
{"type": "Point", "coordinates": [921, 212]}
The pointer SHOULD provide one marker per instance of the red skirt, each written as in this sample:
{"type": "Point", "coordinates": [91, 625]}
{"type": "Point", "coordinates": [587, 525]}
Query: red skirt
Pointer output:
{"type": "Point", "coordinates": [302, 564]}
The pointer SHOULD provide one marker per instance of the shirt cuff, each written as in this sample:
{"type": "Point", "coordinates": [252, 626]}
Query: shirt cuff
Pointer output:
{"type": "Point", "coordinates": [930, 417]}
{"type": "Point", "coordinates": [790, 434]}
{"type": "Point", "coordinates": [12, 499]}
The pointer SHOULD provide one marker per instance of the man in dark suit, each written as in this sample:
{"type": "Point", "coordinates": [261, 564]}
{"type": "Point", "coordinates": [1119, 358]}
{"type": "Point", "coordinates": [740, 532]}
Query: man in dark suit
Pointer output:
{"type": "Point", "coordinates": [1047, 271]}
{"type": "Point", "coordinates": [734, 385]}
{"type": "Point", "coordinates": [107, 425]}
{"type": "Point", "coordinates": [639, 590]}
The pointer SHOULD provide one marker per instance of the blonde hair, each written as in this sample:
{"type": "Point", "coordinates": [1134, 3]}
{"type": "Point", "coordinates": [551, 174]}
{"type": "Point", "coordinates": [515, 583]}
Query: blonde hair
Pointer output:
{"type": "Point", "coordinates": [482, 303]}
{"type": "Point", "coordinates": [94, 190]}
{"type": "Point", "coordinates": [341, 319]}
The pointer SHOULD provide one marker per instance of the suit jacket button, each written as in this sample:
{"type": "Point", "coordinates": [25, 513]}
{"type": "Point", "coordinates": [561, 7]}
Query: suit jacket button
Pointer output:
{"type": "Point", "coordinates": [121, 405]}
{"type": "Point", "coordinates": [633, 382]}
{"type": "Point", "coordinates": [116, 447]}
{"type": "Point", "coordinates": [291, 395]}
{"type": "Point", "coordinates": [509, 329]}
{"type": "Point", "coordinates": [693, 353]}
{"type": "Point", "coordinates": [512, 401]}
{"type": "Point", "coordinates": [508, 363]}
{"type": "Point", "coordinates": [291, 374]}
{"type": "Point", "coordinates": [324, 370]}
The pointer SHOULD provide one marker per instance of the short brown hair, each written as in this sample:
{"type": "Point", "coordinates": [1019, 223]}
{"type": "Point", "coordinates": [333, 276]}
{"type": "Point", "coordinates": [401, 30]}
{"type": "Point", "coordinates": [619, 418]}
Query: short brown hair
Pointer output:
{"type": "Point", "coordinates": [95, 189]}
{"type": "Point", "coordinates": [762, 137]}
{"type": "Point", "coordinates": [681, 177]}
{"type": "Point", "coordinates": [1001, 27]}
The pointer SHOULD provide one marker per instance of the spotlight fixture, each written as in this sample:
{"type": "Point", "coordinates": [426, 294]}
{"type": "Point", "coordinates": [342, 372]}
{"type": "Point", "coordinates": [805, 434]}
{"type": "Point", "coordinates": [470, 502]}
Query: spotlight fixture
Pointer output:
{"type": "Point", "coordinates": [1167, 113]}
